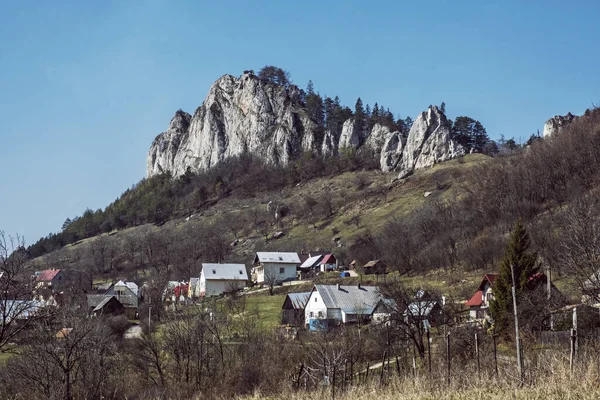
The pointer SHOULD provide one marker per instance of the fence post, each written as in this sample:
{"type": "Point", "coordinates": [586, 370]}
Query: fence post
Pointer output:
{"type": "Point", "coordinates": [448, 357]}
{"type": "Point", "coordinates": [495, 355]}
{"type": "Point", "coordinates": [429, 352]}
{"type": "Point", "coordinates": [477, 354]}
{"type": "Point", "coordinates": [572, 356]}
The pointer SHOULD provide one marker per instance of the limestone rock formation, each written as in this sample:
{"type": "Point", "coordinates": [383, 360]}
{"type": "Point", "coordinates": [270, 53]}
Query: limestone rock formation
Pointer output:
{"type": "Point", "coordinates": [391, 152]}
{"type": "Point", "coordinates": [239, 115]}
{"type": "Point", "coordinates": [350, 136]}
{"type": "Point", "coordinates": [249, 115]}
{"type": "Point", "coordinates": [429, 142]}
{"type": "Point", "coordinates": [557, 123]}
{"type": "Point", "coordinates": [378, 137]}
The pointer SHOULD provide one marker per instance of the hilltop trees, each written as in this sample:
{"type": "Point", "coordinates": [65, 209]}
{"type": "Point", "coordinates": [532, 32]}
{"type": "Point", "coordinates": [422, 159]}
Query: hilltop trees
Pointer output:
{"type": "Point", "coordinates": [470, 133]}
{"type": "Point", "coordinates": [278, 76]}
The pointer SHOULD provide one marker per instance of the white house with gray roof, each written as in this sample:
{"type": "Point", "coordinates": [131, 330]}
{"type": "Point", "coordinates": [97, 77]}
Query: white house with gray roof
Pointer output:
{"type": "Point", "coordinates": [331, 305]}
{"type": "Point", "coordinates": [217, 279]}
{"type": "Point", "coordinates": [278, 266]}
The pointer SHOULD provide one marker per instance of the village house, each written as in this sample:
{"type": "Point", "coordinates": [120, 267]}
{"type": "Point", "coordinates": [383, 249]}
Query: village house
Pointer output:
{"type": "Point", "coordinates": [52, 279]}
{"type": "Point", "coordinates": [275, 267]}
{"type": "Point", "coordinates": [103, 305]}
{"type": "Point", "coordinates": [377, 267]}
{"type": "Point", "coordinates": [216, 279]}
{"type": "Point", "coordinates": [332, 305]}
{"type": "Point", "coordinates": [128, 294]}
{"type": "Point", "coordinates": [292, 311]}
{"type": "Point", "coordinates": [479, 303]}
{"type": "Point", "coordinates": [318, 264]}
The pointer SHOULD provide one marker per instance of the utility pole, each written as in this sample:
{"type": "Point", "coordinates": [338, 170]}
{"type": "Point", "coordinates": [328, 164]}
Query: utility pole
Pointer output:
{"type": "Point", "coordinates": [514, 296]}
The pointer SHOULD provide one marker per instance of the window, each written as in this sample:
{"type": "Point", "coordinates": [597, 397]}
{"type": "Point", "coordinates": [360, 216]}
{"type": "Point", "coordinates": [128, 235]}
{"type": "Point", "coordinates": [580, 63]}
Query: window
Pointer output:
{"type": "Point", "coordinates": [311, 314]}
{"type": "Point", "coordinates": [315, 299]}
{"type": "Point", "coordinates": [281, 270]}
{"type": "Point", "coordinates": [320, 314]}
{"type": "Point", "coordinates": [241, 273]}
{"type": "Point", "coordinates": [214, 271]}
{"type": "Point", "coordinates": [489, 297]}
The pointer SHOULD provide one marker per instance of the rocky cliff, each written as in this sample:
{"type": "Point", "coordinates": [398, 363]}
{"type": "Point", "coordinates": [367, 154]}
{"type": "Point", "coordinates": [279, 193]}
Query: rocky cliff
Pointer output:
{"type": "Point", "coordinates": [247, 114]}
{"type": "Point", "coordinates": [557, 123]}
{"type": "Point", "coordinates": [238, 115]}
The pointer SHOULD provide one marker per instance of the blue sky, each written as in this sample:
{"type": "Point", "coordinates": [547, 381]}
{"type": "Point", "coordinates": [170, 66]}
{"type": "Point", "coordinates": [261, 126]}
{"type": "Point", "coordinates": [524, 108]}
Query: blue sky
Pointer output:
{"type": "Point", "coordinates": [86, 86]}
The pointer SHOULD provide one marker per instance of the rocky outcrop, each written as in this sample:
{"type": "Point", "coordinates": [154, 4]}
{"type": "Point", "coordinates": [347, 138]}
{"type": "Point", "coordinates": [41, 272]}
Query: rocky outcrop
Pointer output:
{"type": "Point", "coordinates": [391, 152]}
{"type": "Point", "coordinates": [557, 123]}
{"type": "Point", "coordinates": [350, 136]}
{"type": "Point", "coordinates": [239, 115]}
{"type": "Point", "coordinates": [378, 137]}
{"type": "Point", "coordinates": [429, 142]}
{"type": "Point", "coordinates": [249, 115]}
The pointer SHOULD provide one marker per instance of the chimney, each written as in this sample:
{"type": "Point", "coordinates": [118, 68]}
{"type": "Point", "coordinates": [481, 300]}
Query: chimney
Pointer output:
{"type": "Point", "coordinates": [338, 286]}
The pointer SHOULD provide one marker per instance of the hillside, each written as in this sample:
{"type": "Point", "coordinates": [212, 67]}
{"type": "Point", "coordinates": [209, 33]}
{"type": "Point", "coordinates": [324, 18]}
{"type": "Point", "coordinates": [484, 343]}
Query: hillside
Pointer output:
{"type": "Point", "coordinates": [347, 207]}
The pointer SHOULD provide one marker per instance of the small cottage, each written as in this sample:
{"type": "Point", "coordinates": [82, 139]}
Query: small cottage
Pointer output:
{"type": "Point", "coordinates": [480, 301]}
{"type": "Point", "coordinates": [377, 267]}
{"type": "Point", "coordinates": [293, 308]}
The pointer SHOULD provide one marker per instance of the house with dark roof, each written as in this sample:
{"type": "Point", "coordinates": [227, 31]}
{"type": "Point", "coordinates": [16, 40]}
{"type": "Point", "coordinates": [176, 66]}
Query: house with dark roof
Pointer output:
{"type": "Point", "coordinates": [332, 305]}
{"type": "Point", "coordinates": [377, 267]}
{"type": "Point", "coordinates": [292, 311]}
{"type": "Point", "coordinates": [124, 292]}
{"type": "Point", "coordinates": [109, 305]}
{"type": "Point", "coordinates": [216, 279]}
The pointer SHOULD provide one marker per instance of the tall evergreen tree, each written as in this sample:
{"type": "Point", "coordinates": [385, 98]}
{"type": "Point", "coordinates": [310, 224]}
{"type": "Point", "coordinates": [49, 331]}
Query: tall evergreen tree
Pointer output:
{"type": "Point", "coordinates": [359, 116]}
{"type": "Point", "coordinates": [314, 104]}
{"type": "Point", "coordinates": [525, 266]}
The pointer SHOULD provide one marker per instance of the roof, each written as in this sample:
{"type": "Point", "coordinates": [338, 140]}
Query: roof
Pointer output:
{"type": "Point", "coordinates": [105, 302]}
{"type": "Point", "coordinates": [224, 272]}
{"type": "Point", "coordinates": [476, 300]}
{"type": "Point", "coordinates": [311, 262]}
{"type": "Point", "coordinates": [94, 299]}
{"type": "Point", "coordinates": [372, 263]}
{"type": "Point", "coordinates": [387, 304]}
{"type": "Point", "coordinates": [350, 299]}
{"type": "Point", "coordinates": [277, 257]}
{"type": "Point", "coordinates": [299, 300]}
{"type": "Point", "coordinates": [48, 275]}
{"type": "Point", "coordinates": [19, 309]}
{"type": "Point", "coordinates": [491, 278]}
{"type": "Point", "coordinates": [328, 259]}
{"type": "Point", "coordinates": [421, 308]}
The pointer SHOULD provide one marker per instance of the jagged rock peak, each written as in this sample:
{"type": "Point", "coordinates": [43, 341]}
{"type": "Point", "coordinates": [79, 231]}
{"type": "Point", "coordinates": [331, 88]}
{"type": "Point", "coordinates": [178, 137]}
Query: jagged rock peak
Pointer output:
{"type": "Point", "coordinates": [557, 123]}
{"type": "Point", "coordinates": [429, 142]}
{"type": "Point", "coordinates": [244, 114]}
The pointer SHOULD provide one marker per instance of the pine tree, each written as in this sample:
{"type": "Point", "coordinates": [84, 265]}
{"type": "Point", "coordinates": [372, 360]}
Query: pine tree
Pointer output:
{"type": "Point", "coordinates": [359, 116]}
{"type": "Point", "coordinates": [525, 266]}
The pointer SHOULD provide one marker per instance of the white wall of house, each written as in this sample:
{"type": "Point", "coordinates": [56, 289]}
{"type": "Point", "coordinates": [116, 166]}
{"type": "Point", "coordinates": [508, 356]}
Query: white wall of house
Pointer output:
{"type": "Point", "coordinates": [216, 287]}
{"type": "Point", "coordinates": [283, 271]}
{"type": "Point", "coordinates": [315, 308]}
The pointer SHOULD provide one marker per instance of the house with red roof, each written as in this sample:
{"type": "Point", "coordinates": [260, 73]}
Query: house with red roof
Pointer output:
{"type": "Point", "coordinates": [50, 279]}
{"type": "Point", "coordinates": [479, 303]}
